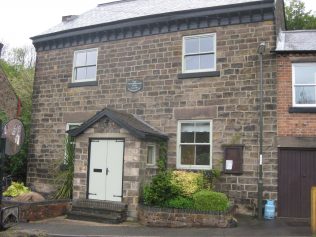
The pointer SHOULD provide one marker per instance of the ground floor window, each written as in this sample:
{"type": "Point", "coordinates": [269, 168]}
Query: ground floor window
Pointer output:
{"type": "Point", "coordinates": [194, 144]}
{"type": "Point", "coordinates": [151, 154]}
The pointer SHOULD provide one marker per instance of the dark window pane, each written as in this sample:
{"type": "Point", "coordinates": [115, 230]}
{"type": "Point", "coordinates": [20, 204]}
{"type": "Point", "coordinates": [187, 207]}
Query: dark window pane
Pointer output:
{"type": "Point", "coordinates": [187, 154]}
{"type": "Point", "coordinates": [81, 59]}
{"type": "Point", "coordinates": [305, 95]}
{"type": "Point", "coordinates": [191, 45]}
{"type": "Point", "coordinates": [207, 44]}
{"type": "Point", "coordinates": [202, 137]}
{"type": "Point", "coordinates": [202, 155]}
{"type": "Point", "coordinates": [92, 57]}
{"type": "Point", "coordinates": [187, 133]}
{"type": "Point", "coordinates": [80, 73]}
{"type": "Point", "coordinates": [73, 126]}
{"type": "Point", "coordinates": [187, 137]}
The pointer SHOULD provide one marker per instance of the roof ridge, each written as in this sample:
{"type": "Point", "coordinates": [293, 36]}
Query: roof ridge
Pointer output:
{"type": "Point", "coordinates": [113, 2]}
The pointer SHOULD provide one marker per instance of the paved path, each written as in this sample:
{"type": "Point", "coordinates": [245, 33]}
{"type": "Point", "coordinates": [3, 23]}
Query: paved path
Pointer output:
{"type": "Point", "coordinates": [247, 227]}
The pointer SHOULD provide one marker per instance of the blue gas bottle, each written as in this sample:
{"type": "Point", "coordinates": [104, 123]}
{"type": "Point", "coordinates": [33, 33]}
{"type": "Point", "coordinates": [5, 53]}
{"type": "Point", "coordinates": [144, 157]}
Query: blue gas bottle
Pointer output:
{"type": "Point", "coordinates": [269, 210]}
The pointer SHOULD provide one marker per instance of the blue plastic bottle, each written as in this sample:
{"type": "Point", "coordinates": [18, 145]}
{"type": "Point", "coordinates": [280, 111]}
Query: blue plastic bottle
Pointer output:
{"type": "Point", "coordinates": [269, 210]}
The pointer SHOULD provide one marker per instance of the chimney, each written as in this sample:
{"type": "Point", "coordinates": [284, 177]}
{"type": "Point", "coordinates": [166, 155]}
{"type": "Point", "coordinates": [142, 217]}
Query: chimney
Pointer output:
{"type": "Point", "coordinates": [68, 18]}
{"type": "Point", "coordinates": [1, 46]}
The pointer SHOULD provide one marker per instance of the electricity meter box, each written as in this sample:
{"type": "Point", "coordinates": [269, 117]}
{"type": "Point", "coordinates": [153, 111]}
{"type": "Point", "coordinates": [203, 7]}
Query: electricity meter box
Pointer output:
{"type": "Point", "coordinates": [233, 159]}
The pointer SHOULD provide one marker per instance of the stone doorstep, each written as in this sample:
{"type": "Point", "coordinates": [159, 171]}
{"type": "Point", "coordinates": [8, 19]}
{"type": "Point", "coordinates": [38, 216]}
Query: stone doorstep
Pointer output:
{"type": "Point", "coordinates": [98, 211]}
{"type": "Point", "coordinates": [106, 205]}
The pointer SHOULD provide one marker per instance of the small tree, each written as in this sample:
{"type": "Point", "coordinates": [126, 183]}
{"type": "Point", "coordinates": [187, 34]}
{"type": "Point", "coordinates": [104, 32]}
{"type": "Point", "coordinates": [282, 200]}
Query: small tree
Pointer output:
{"type": "Point", "coordinates": [297, 18]}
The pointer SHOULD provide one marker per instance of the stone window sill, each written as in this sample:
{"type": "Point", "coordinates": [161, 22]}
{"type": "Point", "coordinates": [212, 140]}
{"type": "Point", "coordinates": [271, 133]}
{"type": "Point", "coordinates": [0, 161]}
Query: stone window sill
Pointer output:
{"type": "Point", "coordinates": [302, 109]}
{"type": "Point", "coordinates": [82, 84]}
{"type": "Point", "coordinates": [198, 75]}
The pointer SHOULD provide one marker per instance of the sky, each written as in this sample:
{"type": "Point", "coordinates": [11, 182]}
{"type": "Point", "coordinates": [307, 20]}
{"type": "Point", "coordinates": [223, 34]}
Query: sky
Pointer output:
{"type": "Point", "coordinates": [22, 19]}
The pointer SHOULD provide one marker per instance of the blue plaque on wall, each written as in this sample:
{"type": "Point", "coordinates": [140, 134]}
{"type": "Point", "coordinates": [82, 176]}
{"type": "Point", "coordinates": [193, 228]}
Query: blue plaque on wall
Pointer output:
{"type": "Point", "coordinates": [134, 85]}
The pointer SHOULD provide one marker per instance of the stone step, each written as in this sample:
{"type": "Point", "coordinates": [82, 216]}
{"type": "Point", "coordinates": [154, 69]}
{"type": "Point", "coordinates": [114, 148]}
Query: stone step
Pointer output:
{"type": "Point", "coordinates": [98, 211]}
{"type": "Point", "coordinates": [77, 215]}
{"type": "Point", "coordinates": [98, 204]}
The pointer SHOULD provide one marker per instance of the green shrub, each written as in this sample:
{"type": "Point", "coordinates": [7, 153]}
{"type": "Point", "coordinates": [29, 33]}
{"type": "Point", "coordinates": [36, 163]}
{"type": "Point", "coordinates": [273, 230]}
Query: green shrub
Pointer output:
{"type": "Point", "coordinates": [16, 189]}
{"type": "Point", "coordinates": [181, 202]}
{"type": "Point", "coordinates": [206, 200]}
{"type": "Point", "coordinates": [160, 190]}
{"type": "Point", "coordinates": [187, 182]}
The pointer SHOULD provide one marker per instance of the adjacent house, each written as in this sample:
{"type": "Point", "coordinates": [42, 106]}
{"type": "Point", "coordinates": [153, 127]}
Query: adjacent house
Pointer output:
{"type": "Point", "coordinates": [130, 74]}
{"type": "Point", "coordinates": [9, 100]}
{"type": "Point", "coordinates": [296, 120]}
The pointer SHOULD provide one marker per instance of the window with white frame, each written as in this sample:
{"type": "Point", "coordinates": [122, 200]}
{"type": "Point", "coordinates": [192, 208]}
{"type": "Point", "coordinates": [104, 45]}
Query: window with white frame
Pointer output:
{"type": "Point", "coordinates": [151, 154]}
{"type": "Point", "coordinates": [199, 53]}
{"type": "Point", "coordinates": [85, 65]}
{"type": "Point", "coordinates": [304, 84]}
{"type": "Point", "coordinates": [194, 146]}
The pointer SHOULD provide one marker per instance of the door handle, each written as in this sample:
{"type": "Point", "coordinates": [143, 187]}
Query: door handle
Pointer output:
{"type": "Point", "coordinates": [107, 171]}
{"type": "Point", "coordinates": [92, 194]}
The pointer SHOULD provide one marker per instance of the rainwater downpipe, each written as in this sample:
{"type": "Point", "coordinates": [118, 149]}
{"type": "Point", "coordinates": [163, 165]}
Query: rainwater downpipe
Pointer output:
{"type": "Point", "coordinates": [261, 50]}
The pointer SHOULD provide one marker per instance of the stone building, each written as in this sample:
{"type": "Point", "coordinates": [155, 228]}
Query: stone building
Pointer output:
{"type": "Point", "coordinates": [296, 121]}
{"type": "Point", "coordinates": [8, 100]}
{"type": "Point", "coordinates": [129, 74]}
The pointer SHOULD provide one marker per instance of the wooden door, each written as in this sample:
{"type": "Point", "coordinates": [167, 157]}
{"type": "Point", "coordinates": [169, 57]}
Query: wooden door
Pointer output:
{"type": "Point", "coordinates": [297, 174]}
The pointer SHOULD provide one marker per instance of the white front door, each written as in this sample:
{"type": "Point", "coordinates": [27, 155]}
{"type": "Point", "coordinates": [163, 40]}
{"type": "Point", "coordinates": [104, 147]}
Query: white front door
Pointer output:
{"type": "Point", "coordinates": [106, 169]}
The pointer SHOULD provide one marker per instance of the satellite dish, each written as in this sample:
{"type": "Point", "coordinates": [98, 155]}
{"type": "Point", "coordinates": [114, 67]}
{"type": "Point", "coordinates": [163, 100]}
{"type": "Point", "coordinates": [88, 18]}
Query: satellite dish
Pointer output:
{"type": "Point", "coordinates": [14, 134]}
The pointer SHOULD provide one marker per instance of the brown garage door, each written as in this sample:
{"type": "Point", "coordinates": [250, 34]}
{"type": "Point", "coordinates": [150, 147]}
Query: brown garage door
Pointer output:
{"type": "Point", "coordinates": [297, 174]}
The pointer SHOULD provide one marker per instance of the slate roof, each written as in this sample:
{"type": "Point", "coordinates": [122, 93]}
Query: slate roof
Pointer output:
{"type": "Point", "coordinates": [130, 122]}
{"type": "Point", "coordinates": [299, 40]}
{"type": "Point", "coordinates": [130, 9]}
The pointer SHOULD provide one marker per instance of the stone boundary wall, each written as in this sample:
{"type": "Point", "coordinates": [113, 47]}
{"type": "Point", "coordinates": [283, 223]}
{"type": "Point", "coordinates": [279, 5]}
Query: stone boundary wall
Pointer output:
{"type": "Point", "coordinates": [34, 211]}
{"type": "Point", "coordinates": [172, 217]}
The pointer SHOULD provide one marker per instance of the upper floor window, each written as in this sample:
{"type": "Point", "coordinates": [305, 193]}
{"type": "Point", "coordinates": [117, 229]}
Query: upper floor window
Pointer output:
{"type": "Point", "coordinates": [194, 144]}
{"type": "Point", "coordinates": [304, 84]}
{"type": "Point", "coordinates": [85, 65]}
{"type": "Point", "coordinates": [199, 53]}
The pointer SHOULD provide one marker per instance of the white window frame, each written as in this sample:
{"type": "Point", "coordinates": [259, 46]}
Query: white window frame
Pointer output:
{"type": "Point", "coordinates": [67, 128]}
{"type": "Point", "coordinates": [294, 65]}
{"type": "Point", "coordinates": [154, 154]}
{"type": "Point", "coordinates": [74, 65]}
{"type": "Point", "coordinates": [184, 54]}
{"type": "Point", "coordinates": [193, 167]}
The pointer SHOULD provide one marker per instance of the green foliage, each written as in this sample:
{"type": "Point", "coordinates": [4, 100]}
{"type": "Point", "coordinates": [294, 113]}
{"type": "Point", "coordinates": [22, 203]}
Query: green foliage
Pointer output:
{"type": "Point", "coordinates": [21, 79]}
{"type": "Point", "coordinates": [3, 117]}
{"type": "Point", "coordinates": [162, 161]}
{"type": "Point", "coordinates": [206, 200]}
{"type": "Point", "coordinates": [297, 18]}
{"type": "Point", "coordinates": [209, 178]}
{"type": "Point", "coordinates": [181, 202]}
{"type": "Point", "coordinates": [16, 189]}
{"type": "Point", "coordinates": [65, 176]}
{"type": "Point", "coordinates": [187, 182]}
{"type": "Point", "coordinates": [160, 190]}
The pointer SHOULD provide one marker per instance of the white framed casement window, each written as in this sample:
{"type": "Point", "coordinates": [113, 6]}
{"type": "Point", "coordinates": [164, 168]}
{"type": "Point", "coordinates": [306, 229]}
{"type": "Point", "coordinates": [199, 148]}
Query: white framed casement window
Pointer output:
{"type": "Point", "coordinates": [304, 84]}
{"type": "Point", "coordinates": [85, 65]}
{"type": "Point", "coordinates": [199, 53]}
{"type": "Point", "coordinates": [194, 144]}
{"type": "Point", "coordinates": [151, 154]}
